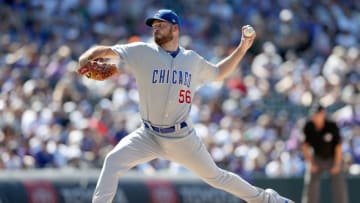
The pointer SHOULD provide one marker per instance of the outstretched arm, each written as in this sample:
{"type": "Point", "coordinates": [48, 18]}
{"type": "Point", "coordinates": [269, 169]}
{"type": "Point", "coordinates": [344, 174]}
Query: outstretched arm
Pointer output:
{"type": "Point", "coordinates": [97, 52]}
{"type": "Point", "coordinates": [229, 64]}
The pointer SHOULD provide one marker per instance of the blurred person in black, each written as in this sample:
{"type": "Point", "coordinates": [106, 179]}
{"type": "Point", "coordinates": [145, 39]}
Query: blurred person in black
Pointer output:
{"type": "Point", "coordinates": [322, 149]}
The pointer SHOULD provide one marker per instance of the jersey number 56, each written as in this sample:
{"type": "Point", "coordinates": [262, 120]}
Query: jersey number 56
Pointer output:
{"type": "Point", "coordinates": [184, 96]}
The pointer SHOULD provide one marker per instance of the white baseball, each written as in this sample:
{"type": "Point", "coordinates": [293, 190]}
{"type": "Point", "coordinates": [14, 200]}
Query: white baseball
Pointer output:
{"type": "Point", "coordinates": [249, 31]}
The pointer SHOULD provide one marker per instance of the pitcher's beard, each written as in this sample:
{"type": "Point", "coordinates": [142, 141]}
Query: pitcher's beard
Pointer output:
{"type": "Point", "coordinates": [163, 39]}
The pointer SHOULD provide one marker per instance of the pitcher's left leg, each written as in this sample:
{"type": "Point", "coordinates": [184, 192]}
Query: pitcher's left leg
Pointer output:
{"type": "Point", "coordinates": [192, 154]}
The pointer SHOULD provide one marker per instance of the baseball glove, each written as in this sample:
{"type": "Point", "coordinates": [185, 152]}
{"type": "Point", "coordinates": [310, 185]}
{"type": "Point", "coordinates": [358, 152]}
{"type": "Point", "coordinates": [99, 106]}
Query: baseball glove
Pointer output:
{"type": "Point", "coordinates": [98, 70]}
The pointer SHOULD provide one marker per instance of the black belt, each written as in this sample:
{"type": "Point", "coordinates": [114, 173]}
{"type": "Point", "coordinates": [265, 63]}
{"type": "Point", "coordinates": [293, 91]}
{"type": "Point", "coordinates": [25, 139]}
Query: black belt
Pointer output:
{"type": "Point", "coordinates": [164, 130]}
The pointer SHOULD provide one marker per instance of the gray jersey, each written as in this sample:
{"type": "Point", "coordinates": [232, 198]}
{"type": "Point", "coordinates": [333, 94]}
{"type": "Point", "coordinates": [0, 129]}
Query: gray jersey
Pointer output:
{"type": "Point", "coordinates": [166, 84]}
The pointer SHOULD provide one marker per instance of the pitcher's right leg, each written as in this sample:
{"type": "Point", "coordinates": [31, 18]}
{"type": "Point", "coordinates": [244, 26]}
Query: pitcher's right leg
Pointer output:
{"type": "Point", "coordinates": [136, 148]}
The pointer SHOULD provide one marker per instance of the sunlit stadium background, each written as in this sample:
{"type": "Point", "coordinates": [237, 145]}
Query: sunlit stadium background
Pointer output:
{"type": "Point", "coordinates": [56, 127]}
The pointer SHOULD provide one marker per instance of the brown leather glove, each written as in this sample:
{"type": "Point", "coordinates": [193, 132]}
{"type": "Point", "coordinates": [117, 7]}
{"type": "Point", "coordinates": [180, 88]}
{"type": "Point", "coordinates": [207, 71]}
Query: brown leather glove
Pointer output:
{"type": "Point", "coordinates": [98, 70]}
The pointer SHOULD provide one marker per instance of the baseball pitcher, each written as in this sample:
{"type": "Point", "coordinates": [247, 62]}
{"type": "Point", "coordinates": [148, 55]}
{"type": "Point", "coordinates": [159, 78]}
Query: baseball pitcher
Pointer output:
{"type": "Point", "coordinates": [167, 76]}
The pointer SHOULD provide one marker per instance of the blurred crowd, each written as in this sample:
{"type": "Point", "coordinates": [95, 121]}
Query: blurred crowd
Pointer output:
{"type": "Point", "coordinates": [252, 123]}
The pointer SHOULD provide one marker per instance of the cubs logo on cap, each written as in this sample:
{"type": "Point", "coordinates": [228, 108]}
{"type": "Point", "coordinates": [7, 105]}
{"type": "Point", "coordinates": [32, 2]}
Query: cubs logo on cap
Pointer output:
{"type": "Point", "coordinates": [164, 15]}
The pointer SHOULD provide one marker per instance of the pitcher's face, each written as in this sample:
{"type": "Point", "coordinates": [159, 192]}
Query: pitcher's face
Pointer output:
{"type": "Point", "coordinates": [162, 32]}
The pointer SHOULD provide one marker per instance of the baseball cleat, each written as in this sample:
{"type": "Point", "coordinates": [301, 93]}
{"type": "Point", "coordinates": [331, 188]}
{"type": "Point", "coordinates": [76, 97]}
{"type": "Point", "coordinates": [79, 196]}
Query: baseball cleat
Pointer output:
{"type": "Point", "coordinates": [277, 198]}
{"type": "Point", "coordinates": [269, 196]}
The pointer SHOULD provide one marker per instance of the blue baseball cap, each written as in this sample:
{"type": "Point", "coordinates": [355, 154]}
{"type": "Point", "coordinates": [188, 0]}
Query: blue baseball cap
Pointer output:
{"type": "Point", "coordinates": [164, 15]}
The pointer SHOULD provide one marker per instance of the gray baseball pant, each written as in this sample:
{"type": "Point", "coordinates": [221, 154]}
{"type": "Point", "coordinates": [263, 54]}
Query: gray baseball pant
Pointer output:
{"type": "Point", "coordinates": [184, 147]}
{"type": "Point", "coordinates": [312, 181]}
